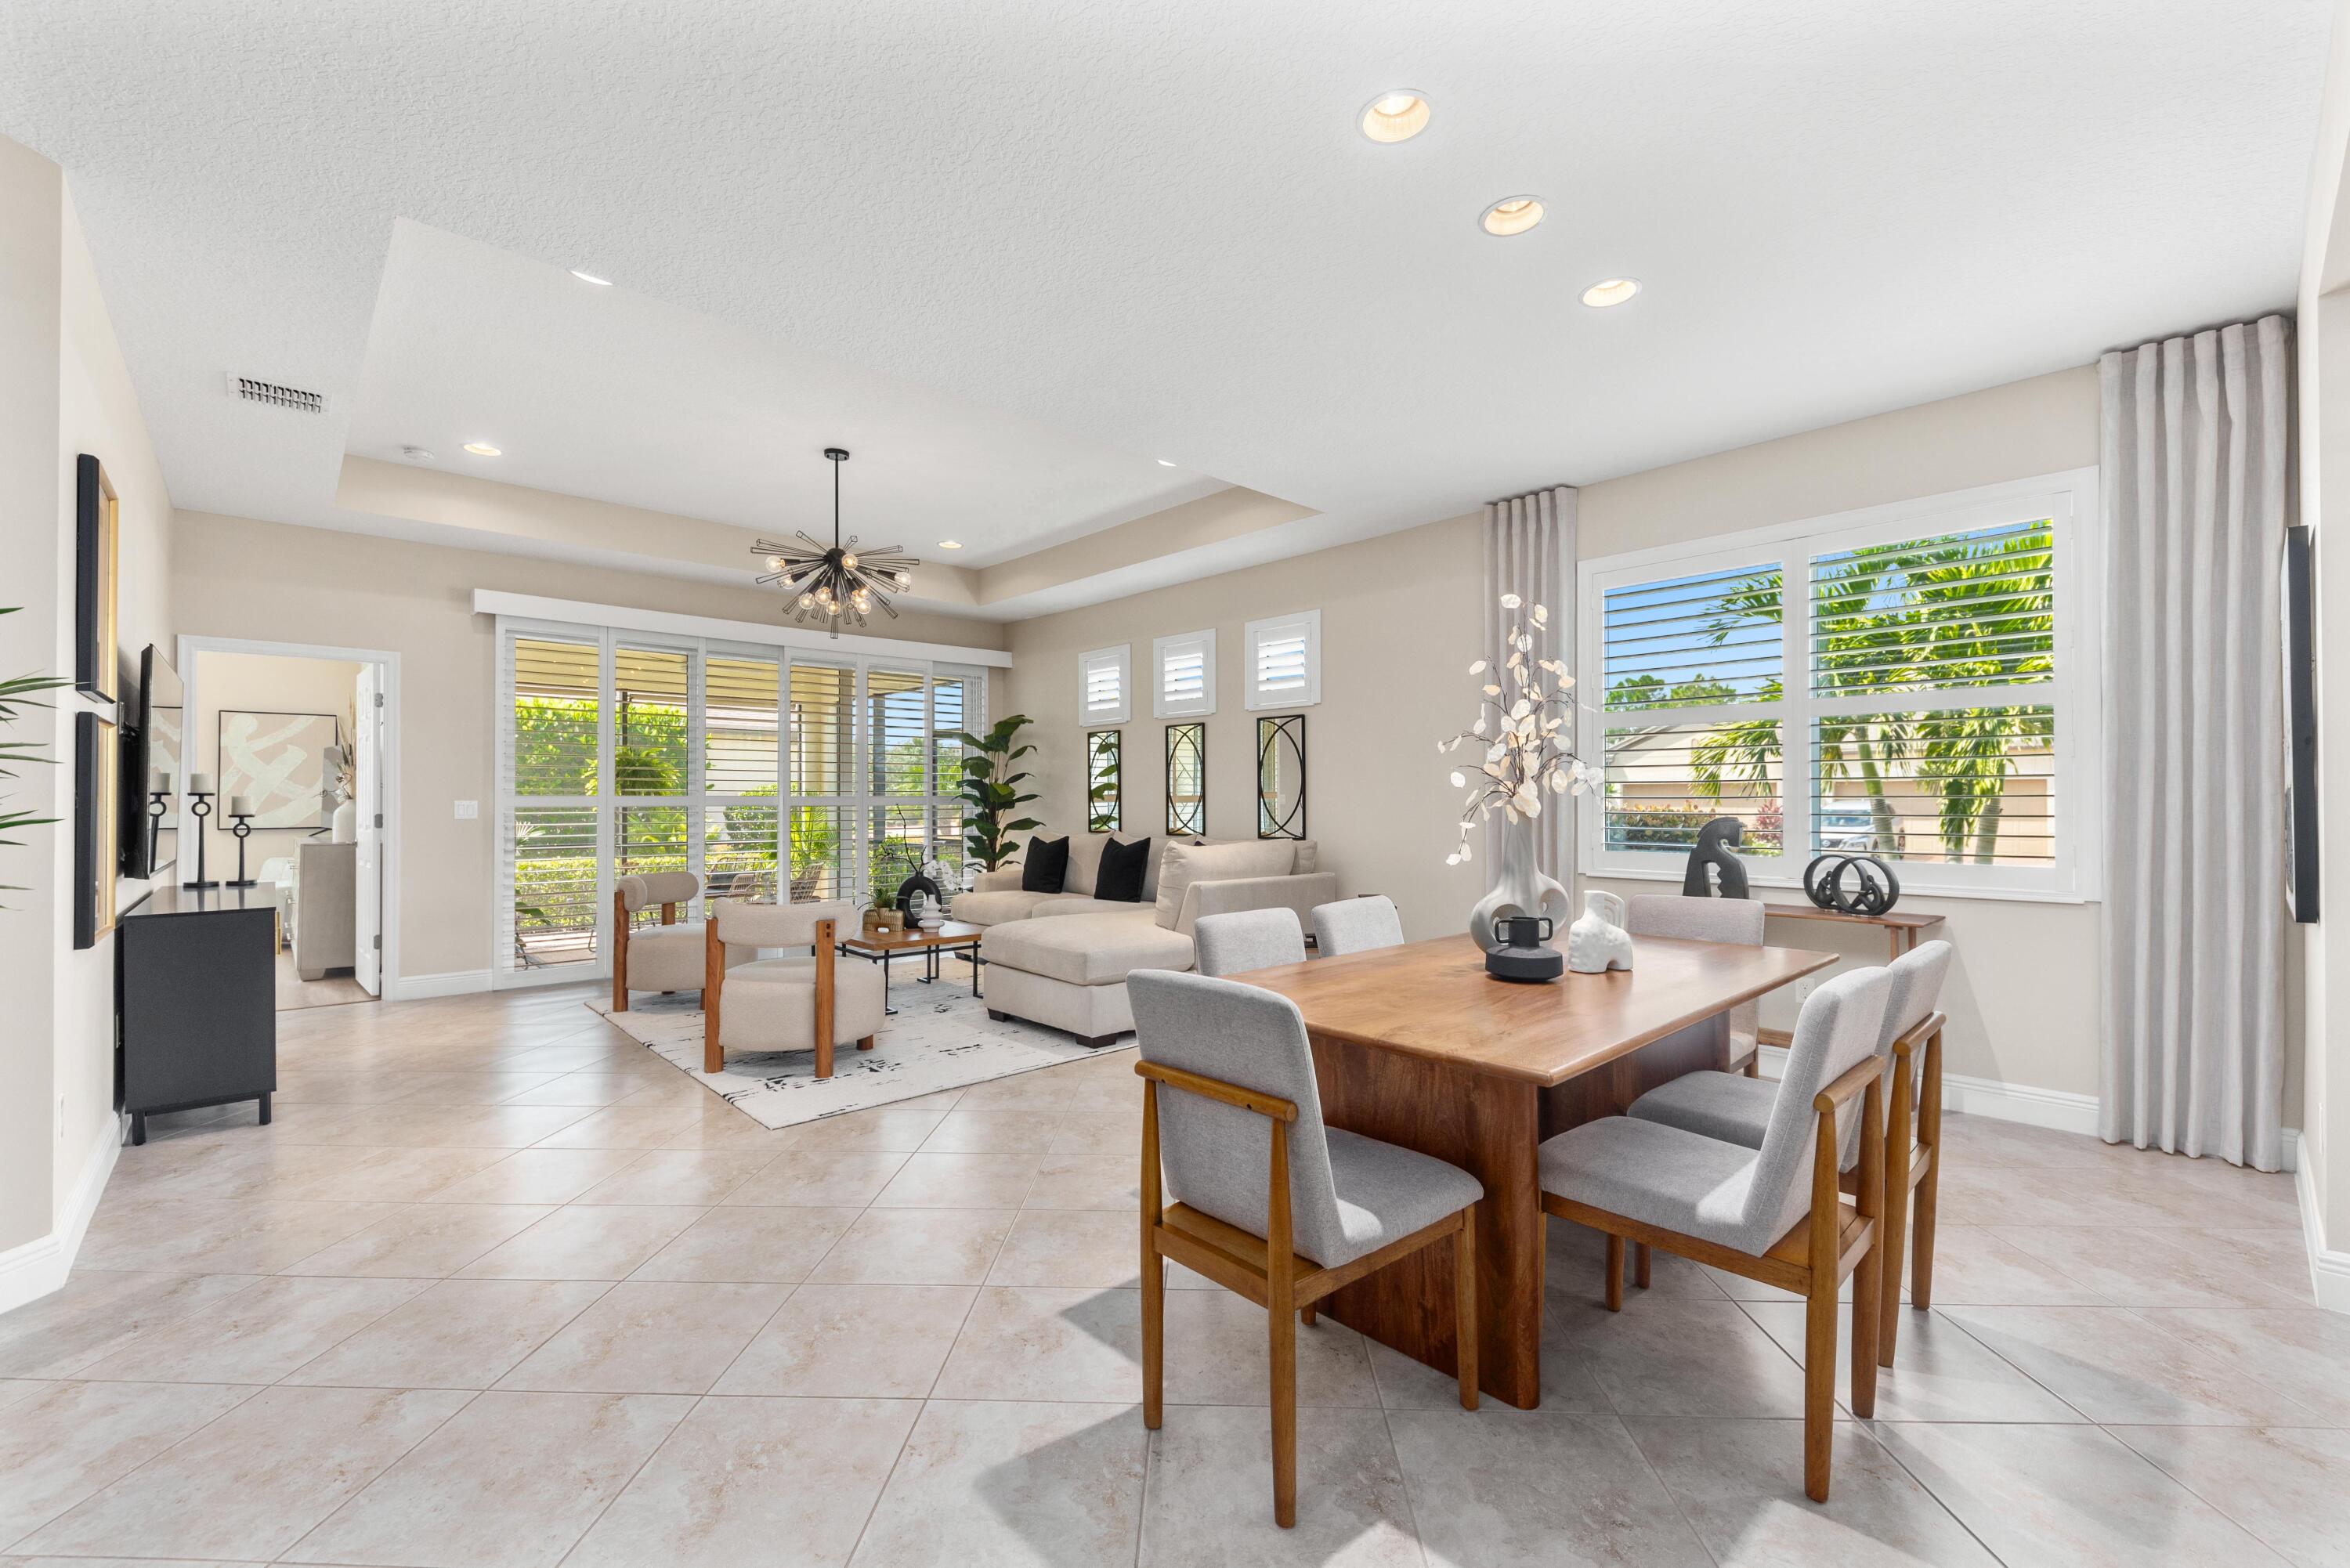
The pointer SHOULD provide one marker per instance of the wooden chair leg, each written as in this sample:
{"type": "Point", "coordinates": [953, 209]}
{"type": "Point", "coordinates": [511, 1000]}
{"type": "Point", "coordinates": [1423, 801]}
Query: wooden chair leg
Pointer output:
{"type": "Point", "coordinates": [1640, 1264]}
{"type": "Point", "coordinates": [825, 960]}
{"type": "Point", "coordinates": [1929, 1142]}
{"type": "Point", "coordinates": [1754, 1063]}
{"type": "Point", "coordinates": [619, 951]}
{"type": "Point", "coordinates": [1819, 1381]}
{"type": "Point", "coordinates": [1464, 1304]}
{"type": "Point", "coordinates": [1867, 1311]}
{"type": "Point", "coordinates": [1154, 1270]}
{"type": "Point", "coordinates": [714, 979]}
{"type": "Point", "coordinates": [1921, 1240]}
{"type": "Point", "coordinates": [866, 1043]}
{"type": "Point", "coordinates": [1615, 1273]}
{"type": "Point", "coordinates": [1281, 1322]}
{"type": "Point", "coordinates": [1307, 1317]}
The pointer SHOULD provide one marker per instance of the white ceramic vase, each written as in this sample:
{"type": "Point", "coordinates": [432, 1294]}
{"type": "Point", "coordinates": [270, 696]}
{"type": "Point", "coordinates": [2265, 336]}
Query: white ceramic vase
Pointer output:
{"type": "Point", "coordinates": [1523, 890]}
{"type": "Point", "coordinates": [1598, 943]}
{"type": "Point", "coordinates": [346, 823]}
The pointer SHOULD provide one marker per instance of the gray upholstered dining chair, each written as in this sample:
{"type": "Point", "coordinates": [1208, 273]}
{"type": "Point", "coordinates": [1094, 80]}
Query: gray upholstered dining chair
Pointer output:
{"type": "Point", "coordinates": [1773, 1213]}
{"type": "Point", "coordinates": [1268, 1201]}
{"type": "Point", "coordinates": [1351, 925]}
{"type": "Point", "coordinates": [1708, 921]}
{"type": "Point", "coordinates": [1246, 940]}
{"type": "Point", "coordinates": [665, 957]}
{"type": "Point", "coordinates": [1738, 1110]}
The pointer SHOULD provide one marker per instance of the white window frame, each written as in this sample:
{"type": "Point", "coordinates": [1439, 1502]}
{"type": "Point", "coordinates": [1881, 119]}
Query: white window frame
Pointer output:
{"type": "Point", "coordinates": [1256, 634]}
{"type": "Point", "coordinates": [1120, 659]}
{"type": "Point", "coordinates": [860, 801]}
{"type": "Point", "coordinates": [1164, 706]}
{"type": "Point", "coordinates": [2069, 498]}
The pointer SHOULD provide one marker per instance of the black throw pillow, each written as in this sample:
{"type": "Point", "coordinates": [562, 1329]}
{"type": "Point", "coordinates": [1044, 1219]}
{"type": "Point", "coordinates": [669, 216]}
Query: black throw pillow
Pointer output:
{"type": "Point", "coordinates": [1045, 866]}
{"type": "Point", "coordinates": [1123, 868]}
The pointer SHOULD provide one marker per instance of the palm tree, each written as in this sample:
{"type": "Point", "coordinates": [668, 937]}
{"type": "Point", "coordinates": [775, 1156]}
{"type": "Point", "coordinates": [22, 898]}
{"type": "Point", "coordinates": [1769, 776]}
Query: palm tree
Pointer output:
{"type": "Point", "coordinates": [1956, 611]}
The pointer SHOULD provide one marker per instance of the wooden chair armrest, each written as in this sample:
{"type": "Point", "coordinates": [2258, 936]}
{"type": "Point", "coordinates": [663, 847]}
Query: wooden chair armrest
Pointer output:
{"type": "Point", "coordinates": [1857, 1077]}
{"type": "Point", "coordinates": [1919, 1035]}
{"type": "Point", "coordinates": [1280, 1110]}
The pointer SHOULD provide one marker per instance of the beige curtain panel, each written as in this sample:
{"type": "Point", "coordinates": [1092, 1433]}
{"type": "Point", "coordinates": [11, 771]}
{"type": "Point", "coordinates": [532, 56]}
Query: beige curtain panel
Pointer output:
{"type": "Point", "coordinates": [2193, 470]}
{"type": "Point", "coordinates": [1530, 552]}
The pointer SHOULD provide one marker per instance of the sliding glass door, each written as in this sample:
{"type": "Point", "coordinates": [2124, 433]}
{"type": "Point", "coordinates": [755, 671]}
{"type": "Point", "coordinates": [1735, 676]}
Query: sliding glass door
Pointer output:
{"type": "Point", "coordinates": [765, 772]}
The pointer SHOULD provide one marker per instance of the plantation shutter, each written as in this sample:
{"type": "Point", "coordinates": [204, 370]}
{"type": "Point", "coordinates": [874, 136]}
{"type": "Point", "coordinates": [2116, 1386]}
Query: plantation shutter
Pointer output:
{"type": "Point", "coordinates": [1285, 661]}
{"type": "Point", "coordinates": [1187, 675]}
{"type": "Point", "coordinates": [1103, 676]}
{"type": "Point", "coordinates": [1691, 672]}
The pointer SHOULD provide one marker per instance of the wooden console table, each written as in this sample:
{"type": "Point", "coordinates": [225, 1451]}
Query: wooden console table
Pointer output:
{"type": "Point", "coordinates": [1900, 926]}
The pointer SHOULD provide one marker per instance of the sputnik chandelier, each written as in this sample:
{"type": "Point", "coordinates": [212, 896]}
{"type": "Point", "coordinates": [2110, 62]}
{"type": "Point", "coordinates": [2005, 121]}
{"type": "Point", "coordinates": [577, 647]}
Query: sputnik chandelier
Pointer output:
{"type": "Point", "coordinates": [838, 582]}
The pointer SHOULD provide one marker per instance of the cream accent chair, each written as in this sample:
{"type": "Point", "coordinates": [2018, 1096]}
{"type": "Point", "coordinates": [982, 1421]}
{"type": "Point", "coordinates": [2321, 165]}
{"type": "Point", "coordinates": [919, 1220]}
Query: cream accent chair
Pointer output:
{"type": "Point", "coordinates": [1736, 920]}
{"type": "Point", "coordinates": [784, 1003]}
{"type": "Point", "coordinates": [663, 957]}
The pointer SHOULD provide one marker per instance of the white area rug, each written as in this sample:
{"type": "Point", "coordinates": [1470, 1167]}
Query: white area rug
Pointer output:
{"type": "Point", "coordinates": [936, 1041]}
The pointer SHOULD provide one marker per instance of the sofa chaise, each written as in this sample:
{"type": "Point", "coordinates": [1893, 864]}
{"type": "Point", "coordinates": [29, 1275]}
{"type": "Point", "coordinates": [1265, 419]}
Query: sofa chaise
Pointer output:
{"type": "Point", "coordinates": [1061, 959]}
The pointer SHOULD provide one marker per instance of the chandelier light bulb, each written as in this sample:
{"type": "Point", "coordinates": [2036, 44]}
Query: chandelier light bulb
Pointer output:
{"type": "Point", "coordinates": [849, 560]}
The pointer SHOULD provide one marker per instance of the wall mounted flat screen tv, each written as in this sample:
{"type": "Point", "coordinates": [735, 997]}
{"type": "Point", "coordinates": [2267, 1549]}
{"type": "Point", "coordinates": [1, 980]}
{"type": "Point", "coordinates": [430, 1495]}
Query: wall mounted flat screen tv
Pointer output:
{"type": "Point", "coordinates": [152, 744]}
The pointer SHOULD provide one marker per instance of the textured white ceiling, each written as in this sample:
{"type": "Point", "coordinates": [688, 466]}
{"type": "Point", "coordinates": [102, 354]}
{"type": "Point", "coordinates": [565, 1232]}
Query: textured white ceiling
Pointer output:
{"type": "Point", "coordinates": [605, 393]}
{"type": "Point", "coordinates": [1152, 227]}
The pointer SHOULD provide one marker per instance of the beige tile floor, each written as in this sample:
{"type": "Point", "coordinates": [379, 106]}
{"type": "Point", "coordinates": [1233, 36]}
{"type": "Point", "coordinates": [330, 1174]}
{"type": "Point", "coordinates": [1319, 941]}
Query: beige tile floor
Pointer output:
{"type": "Point", "coordinates": [499, 1287]}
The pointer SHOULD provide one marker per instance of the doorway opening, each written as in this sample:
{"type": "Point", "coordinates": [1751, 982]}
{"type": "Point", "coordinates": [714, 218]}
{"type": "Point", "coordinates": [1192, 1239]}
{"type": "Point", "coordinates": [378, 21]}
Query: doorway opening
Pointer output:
{"type": "Point", "coordinates": [297, 744]}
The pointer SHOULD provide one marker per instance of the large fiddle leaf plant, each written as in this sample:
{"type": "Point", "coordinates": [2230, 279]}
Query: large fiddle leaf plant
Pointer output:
{"type": "Point", "coordinates": [16, 695]}
{"type": "Point", "coordinates": [991, 792]}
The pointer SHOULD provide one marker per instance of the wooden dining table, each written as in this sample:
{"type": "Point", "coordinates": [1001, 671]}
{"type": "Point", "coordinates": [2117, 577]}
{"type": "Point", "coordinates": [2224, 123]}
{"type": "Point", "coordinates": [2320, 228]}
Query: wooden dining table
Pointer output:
{"type": "Point", "coordinates": [1417, 1045]}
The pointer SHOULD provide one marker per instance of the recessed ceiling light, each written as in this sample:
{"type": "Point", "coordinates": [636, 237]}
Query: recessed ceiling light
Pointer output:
{"type": "Point", "coordinates": [1395, 116]}
{"type": "Point", "coordinates": [1610, 291]}
{"type": "Point", "coordinates": [949, 544]}
{"type": "Point", "coordinates": [591, 277]}
{"type": "Point", "coordinates": [1511, 215]}
{"type": "Point", "coordinates": [1166, 462]}
{"type": "Point", "coordinates": [482, 449]}
{"type": "Point", "coordinates": [415, 455]}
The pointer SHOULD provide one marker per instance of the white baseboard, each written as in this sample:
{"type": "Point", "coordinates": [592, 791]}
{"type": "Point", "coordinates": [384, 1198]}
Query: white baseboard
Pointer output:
{"type": "Point", "coordinates": [2329, 1272]}
{"type": "Point", "coordinates": [2059, 1110]}
{"type": "Point", "coordinates": [455, 982]}
{"type": "Point", "coordinates": [34, 1269]}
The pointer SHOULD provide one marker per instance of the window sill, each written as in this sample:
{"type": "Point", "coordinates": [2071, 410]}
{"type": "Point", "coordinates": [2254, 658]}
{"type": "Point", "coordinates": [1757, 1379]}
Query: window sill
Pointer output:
{"type": "Point", "coordinates": [1795, 885]}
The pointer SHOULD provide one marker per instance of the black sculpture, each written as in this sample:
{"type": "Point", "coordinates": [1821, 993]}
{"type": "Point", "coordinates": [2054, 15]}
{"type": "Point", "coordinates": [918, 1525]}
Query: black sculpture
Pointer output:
{"type": "Point", "coordinates": [917, 883]}
{"type": "Point", "coordinates": [1874, 889]}
{"type": "Point", "coordinates": [1712, 848]}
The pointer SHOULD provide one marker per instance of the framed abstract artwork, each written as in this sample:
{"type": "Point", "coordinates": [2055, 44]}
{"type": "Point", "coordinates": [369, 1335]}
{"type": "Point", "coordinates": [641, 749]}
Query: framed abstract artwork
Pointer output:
{"type": "Point", "coordinates": [97, 825]}
{"type": "Point", "coordinates": [96, 526]}
{"type": "Point", "coordinates": [278, 763]}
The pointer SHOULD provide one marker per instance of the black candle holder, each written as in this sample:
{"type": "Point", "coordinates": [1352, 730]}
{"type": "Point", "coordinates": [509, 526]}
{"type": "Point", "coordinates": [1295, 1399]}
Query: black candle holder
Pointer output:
{"type": "Point", "coordinates": [199, 806]}
{"type": "Point", "coordinates": [158, 803]}
{"type": "Point", "coordinates": [242, 830]}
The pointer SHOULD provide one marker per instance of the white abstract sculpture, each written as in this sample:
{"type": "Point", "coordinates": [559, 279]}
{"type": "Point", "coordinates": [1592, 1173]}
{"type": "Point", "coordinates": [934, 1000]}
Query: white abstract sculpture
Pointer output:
{"type": "Point", "coordinates": [1599, 941]}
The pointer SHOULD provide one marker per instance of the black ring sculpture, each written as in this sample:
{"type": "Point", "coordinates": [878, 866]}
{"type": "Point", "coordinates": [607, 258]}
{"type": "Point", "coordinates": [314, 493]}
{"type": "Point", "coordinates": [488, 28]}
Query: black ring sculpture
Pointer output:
{"type": "Point", "coordinates": [1870, 895]}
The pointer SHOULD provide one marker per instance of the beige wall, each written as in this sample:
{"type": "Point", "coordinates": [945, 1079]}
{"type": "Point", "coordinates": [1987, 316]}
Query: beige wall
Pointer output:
{"type": "Point", "coordinates": [259, 683]}
{"type": "Point", "coordinates": [1400, 622]}
{"type": "Point", "coordinates": [2024, 994]}
{"type": "Point", "coordinates": [237, 577]}
{"type": "Point", "coordinates": [1400, 627]}
{"type": "Point", "coordinates": [65, 391]}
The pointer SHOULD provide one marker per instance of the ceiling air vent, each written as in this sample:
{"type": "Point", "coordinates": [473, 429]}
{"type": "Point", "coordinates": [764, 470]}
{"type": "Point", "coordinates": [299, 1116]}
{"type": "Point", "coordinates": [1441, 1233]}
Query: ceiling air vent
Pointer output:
{"type": "Point", "coordinates": [273, 394]}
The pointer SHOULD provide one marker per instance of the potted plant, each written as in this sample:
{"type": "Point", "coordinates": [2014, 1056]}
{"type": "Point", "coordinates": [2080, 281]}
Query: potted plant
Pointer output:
{"type": "Point", "coordinates": [14, 694]}
{"type": "Point", "coordinates": [990, 792]}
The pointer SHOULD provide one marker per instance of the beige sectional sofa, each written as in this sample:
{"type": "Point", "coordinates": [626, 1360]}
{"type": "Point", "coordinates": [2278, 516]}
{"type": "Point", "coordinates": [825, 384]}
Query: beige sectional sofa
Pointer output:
{"type": "Point", "coordinates": [1061, 959]}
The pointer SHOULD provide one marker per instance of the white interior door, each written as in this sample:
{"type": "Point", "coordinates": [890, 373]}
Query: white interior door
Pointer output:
{"type": "Point", "coordinates": [367, 767]}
